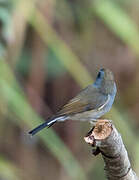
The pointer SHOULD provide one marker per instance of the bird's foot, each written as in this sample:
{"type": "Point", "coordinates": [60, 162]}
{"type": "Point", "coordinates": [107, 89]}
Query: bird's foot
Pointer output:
{"type": "Point", "coordinates": [93, 122]}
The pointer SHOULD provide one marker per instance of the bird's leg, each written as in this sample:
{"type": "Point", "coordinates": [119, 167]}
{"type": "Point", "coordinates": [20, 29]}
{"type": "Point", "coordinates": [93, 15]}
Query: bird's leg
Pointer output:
{"type": "Point", "coordinates": [93, 122]}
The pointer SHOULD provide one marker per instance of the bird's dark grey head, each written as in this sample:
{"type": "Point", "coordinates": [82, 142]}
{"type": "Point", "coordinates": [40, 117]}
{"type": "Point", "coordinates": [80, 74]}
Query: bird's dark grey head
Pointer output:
{"type": "Point", "coordinates": [104, 80]}
{"type": "Point", "coordinates": [100, 74]}
{"type": "Point", "coordinates": [105, 74]}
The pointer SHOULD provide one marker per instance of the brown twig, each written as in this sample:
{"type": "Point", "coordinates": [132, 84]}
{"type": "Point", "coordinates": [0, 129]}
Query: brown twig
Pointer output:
{"type": "Point", "coordinates": [106, 140]}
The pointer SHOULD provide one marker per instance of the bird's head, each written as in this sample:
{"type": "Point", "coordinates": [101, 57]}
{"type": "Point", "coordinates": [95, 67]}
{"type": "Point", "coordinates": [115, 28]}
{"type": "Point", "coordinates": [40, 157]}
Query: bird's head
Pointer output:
{"type": "Point", "coordinates": [105, 74]}
{"type": "Point", "coordinates": [105, 80]}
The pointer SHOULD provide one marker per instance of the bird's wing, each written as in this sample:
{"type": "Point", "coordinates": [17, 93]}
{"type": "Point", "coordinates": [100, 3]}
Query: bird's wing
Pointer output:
{"type": "Point", "coordinates": [84, 102]}
{"type": "Point", "coordinates": [73, 106]}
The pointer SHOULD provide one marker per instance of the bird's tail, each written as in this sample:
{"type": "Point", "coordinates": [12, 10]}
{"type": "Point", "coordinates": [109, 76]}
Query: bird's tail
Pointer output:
{"type": "Point", "coordinates": [47, 124]}
{"type": "Point", "coordinates": [42, 126]}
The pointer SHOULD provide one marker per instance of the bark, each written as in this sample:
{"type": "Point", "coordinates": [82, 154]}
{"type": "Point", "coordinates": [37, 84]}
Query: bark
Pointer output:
{"type": "Point", "coordinates": [105, 139]}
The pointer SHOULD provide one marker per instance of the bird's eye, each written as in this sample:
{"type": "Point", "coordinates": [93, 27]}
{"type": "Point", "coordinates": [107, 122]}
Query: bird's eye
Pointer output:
{"type": "Point", "coordinates": [99, 75]}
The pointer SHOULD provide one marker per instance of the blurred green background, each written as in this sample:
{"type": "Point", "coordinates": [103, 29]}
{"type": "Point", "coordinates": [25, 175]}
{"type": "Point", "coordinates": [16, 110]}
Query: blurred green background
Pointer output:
{"type": "Point", "coordinates": [49, 51]}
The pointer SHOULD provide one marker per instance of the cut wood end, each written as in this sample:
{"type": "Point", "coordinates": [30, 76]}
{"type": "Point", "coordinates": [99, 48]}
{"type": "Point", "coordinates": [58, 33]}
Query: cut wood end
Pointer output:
{"type": "Point", "coordinates": [101, 131]}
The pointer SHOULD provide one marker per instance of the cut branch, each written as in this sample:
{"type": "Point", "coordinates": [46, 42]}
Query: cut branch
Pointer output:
{"type": "Point", "coordinates": [105, 139]}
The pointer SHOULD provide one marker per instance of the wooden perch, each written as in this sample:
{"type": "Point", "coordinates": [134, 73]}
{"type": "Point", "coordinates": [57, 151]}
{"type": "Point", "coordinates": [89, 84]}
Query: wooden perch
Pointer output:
{"type": "Point", "coordinates": [106, 140]}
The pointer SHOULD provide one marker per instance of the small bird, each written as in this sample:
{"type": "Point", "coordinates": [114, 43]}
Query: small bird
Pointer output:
{"type": "Point", "coordinates": [89, 105]}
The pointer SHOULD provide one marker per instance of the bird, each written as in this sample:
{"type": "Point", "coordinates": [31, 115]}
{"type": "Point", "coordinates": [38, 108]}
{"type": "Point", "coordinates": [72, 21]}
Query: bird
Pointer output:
{"type": "Point", "coordinates": [89, 105]}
